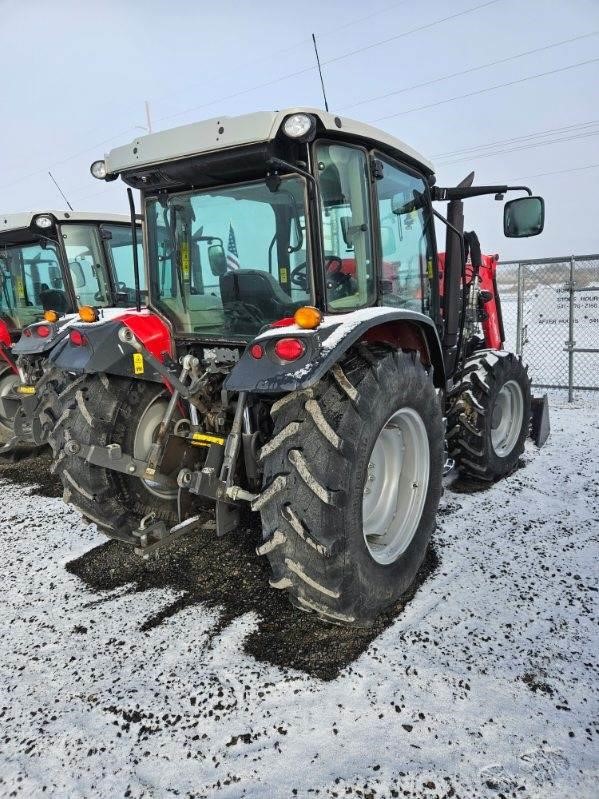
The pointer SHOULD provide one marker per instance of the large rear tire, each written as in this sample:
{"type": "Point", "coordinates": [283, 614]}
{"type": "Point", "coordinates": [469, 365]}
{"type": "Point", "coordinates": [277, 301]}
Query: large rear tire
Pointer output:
{"type": "Point", "coordinates": [8, 381]}
{"type": "Point", "coordinates": [489, 416]}
{"type": "Point", "coordinates": [351, 486]}
{"type": "Point", "coordinates": [36, 427]}
{"type": "Point", "coordinates": [102, 410]}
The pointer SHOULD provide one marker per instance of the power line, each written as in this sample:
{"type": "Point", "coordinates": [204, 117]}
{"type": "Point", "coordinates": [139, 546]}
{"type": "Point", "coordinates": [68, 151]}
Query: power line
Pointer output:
{"type": "Point", "coordinates": [413, 30]}
{"type": "Point", "coordinates": [558, 172]}
{"type": "Point", "coordinates": [488, 89]}
{"type": "Point", "coordinates": [532, 146]}
{"type": "Point", "coordinates": [517, 138]}
{"type": "Point", "coordinates": [65, 160]}
{"type": "Point", "coordinates": [468, 71]}
{"type": "Point", "coordinates": [330, 61]}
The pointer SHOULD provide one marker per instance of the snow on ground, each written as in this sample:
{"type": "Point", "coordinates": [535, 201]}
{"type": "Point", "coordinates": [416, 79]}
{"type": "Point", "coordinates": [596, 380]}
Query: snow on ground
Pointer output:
{"type": "Point", "coordinates": [484, 685]}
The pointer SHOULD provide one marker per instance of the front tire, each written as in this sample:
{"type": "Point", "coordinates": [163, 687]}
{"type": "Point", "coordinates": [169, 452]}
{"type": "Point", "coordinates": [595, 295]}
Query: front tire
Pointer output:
{"type": "Point", "coordinates": [489, 415]}
{"type": "Point", "coordinates": [335, 549]}
{"type": "Point", "coordinates": [102, 410]}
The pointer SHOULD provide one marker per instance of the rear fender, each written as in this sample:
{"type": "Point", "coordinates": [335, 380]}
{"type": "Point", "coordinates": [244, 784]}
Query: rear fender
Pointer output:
{"type": "Point", "coordinates": [326, 345]}
{"type": "Point", "coordinates": [105, 351]}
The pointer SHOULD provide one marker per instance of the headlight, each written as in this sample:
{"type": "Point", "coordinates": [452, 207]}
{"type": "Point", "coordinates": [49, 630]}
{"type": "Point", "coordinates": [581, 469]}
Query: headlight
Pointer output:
{"type": "Point", "coordinates": [43, 221]}
{"type": "Point", "coordinates": [299, 126]}
{"type": "Point", "coordinates": [98, 169]}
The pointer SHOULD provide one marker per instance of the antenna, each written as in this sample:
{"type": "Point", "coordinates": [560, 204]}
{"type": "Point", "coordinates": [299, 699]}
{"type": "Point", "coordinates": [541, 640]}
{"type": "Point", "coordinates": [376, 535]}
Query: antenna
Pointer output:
{"type": "Point", "coordinates": [64, 197]}
{"type": "Point", "coordinates": [324, 94]}
{"type": "Point", "coordinates": [148, 117]}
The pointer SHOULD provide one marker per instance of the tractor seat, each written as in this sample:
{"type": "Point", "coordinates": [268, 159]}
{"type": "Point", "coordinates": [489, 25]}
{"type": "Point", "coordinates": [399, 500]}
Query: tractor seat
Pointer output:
{"type": "Point", "coordinates": [258, 289]}
{"type": "Point", "coordinates": [54, 300]}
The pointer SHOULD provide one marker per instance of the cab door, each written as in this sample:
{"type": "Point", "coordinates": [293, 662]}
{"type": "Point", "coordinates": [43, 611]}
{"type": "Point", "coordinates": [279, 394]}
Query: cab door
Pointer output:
{"type": "Point", "coordinates": [406, 239]}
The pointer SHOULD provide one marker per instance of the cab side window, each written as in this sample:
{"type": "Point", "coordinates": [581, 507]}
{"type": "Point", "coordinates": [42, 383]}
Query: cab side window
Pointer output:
{"type": "Point", "coordinates": [343, 178]}
{"type": "Point", "coordinates": [405, 234]}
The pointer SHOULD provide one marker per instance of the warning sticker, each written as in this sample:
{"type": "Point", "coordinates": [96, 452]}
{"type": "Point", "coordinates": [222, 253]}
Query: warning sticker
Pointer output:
{"type": "Point", "coordinates": [20, 288]}
{"type": "Point", "coordinates": [283, 274]}
{"type": "Point", "coordinates": [185, 260]}
{"type": "Point", "coordinates": [138, 363]}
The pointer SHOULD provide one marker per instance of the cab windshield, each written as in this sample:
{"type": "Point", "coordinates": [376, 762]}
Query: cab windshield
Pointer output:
{"type": "Point", "coordinates": [87, 264]}
{"type": "Point", "coordinates": [226, 261]}
{"type": "Point", "coordinates": [119, 241]}
{"type": "Point", "coordinates": [31, 282]}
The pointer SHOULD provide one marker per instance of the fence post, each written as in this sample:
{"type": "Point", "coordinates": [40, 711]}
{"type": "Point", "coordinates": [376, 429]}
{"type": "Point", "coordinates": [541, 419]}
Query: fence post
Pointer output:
{"type": "Point", "coordinates": [571, 341]}
{"type": "Point", "coordinates": [519, 311]}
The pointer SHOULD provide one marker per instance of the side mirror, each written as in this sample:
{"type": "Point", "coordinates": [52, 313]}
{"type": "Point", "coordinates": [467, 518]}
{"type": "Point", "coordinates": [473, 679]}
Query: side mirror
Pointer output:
{"type": "Point", "coordinates": [524, 216]}
{"type": "Point", "coordinates": [345, 222]}
{"type": "Point", "coordinates": [217, 259]}
{"type": "Point", "coordinates": [77, 274]}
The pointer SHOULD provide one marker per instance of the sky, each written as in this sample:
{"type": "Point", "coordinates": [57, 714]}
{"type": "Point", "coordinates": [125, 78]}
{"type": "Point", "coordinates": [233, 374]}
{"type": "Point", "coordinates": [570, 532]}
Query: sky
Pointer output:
{"type": "Point", "coordinates": [76, 76]}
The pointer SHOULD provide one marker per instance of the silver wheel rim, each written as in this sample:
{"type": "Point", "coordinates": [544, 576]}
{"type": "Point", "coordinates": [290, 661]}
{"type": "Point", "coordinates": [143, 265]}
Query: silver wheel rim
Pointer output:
{"type": "Point", "coordinates": [145, 435]}
{"type": "Point", "coordinates": [7, 384]}
{"type": "Point", "coordinates": [396, 486]}
{"type": "Point", "coordinates": [506, 420]}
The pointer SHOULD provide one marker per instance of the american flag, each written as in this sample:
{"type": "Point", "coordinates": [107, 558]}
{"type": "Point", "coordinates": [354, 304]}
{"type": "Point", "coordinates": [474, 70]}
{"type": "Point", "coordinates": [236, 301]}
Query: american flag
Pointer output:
{"type": "Point", "coordinates": [232, 254]}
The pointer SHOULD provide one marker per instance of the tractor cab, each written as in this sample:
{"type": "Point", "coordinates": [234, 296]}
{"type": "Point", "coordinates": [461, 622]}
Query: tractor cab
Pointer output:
{"type": "Point", "coordinates": [278, 211]}
{"type": "Point", "coordinates": [51, 265]}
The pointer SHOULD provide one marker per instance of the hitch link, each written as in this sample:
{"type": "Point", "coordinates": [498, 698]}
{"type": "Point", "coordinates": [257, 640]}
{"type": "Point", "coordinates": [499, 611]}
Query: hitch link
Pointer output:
{"type": "Point", "coordinates": [189, 362]}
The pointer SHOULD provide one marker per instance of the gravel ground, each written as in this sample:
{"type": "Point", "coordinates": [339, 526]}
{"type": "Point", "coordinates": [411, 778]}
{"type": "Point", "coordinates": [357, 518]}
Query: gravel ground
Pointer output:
{"type": "Point", "coordinates": [188, 676]}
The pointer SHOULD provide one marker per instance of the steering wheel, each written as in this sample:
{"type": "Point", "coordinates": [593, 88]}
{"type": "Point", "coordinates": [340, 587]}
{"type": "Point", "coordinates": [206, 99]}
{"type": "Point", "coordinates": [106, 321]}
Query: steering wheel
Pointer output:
{"type": "Point", "coordinates": [338, 283]}
{"type": "Point", "coordinates": [299, 276]}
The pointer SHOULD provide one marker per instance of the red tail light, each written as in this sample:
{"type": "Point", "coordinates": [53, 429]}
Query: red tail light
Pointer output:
{"type": "Point", "coordinates": [289, 349]}
{"type": "Point", "coordinates": [257, 351]}
{"type": "Point", "coordinates": [77, 338]}
{"type": "Point", "coordinates": [43, 331]}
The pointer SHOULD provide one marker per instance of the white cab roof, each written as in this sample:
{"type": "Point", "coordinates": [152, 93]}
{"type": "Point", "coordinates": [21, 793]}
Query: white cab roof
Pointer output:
{"type": "Point", "coordinates": [25, 218]}
{"type": "Point", "coordinates": [224, 132]}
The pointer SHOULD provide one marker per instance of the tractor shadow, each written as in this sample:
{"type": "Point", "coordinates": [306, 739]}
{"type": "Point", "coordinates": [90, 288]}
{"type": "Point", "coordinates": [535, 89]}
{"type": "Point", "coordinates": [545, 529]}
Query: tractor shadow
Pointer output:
{"type": "Point", "coordinates": [226, 574]}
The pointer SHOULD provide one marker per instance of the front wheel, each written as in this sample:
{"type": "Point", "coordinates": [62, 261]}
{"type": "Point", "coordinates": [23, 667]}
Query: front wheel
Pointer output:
{"type": "Point", "coordinates": [352, 484]}
{"type": "Point", "coordinates": [489, 415]}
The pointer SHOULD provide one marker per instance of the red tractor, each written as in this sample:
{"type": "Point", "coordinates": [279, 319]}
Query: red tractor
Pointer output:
{"type": "Point", "coordinates": [51, 265]}
{"type": "Point", "coordinates": [300, 357]}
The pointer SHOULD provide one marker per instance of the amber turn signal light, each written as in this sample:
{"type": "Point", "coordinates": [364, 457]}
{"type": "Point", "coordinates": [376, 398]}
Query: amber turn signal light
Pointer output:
{"type": "Point", "coordinates": [307, 317]}
{"type": "Point", "coordinates": [88, 313]}
{"type": "Point", "coordinates": [50, 316]}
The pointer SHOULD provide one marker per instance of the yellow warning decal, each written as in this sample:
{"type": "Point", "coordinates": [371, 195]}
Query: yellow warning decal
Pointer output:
{"type": "Point", "coordinates": [205, 440]}
{"type": "Point", "coordinates": [138, 363]}
{"type": "Point", "coordinates": [429, 268]}
{"type": "Point", "coordinates": [20, 288]}
{"type": "Point", "coordinates": [185, 260]}
{"type": "Point", "coordinates": [283, 274]}
{"type": "Point", "coordinates": [22, 389]}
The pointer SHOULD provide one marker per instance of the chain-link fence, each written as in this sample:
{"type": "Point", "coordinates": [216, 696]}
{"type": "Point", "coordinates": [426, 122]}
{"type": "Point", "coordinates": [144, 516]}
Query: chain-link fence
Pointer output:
{"type": "Point", "coordinates": [551, 316]}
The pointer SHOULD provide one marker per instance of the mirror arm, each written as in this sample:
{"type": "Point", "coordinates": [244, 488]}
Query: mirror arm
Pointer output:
{"type": "Point", "coordinates": [457, 193]}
